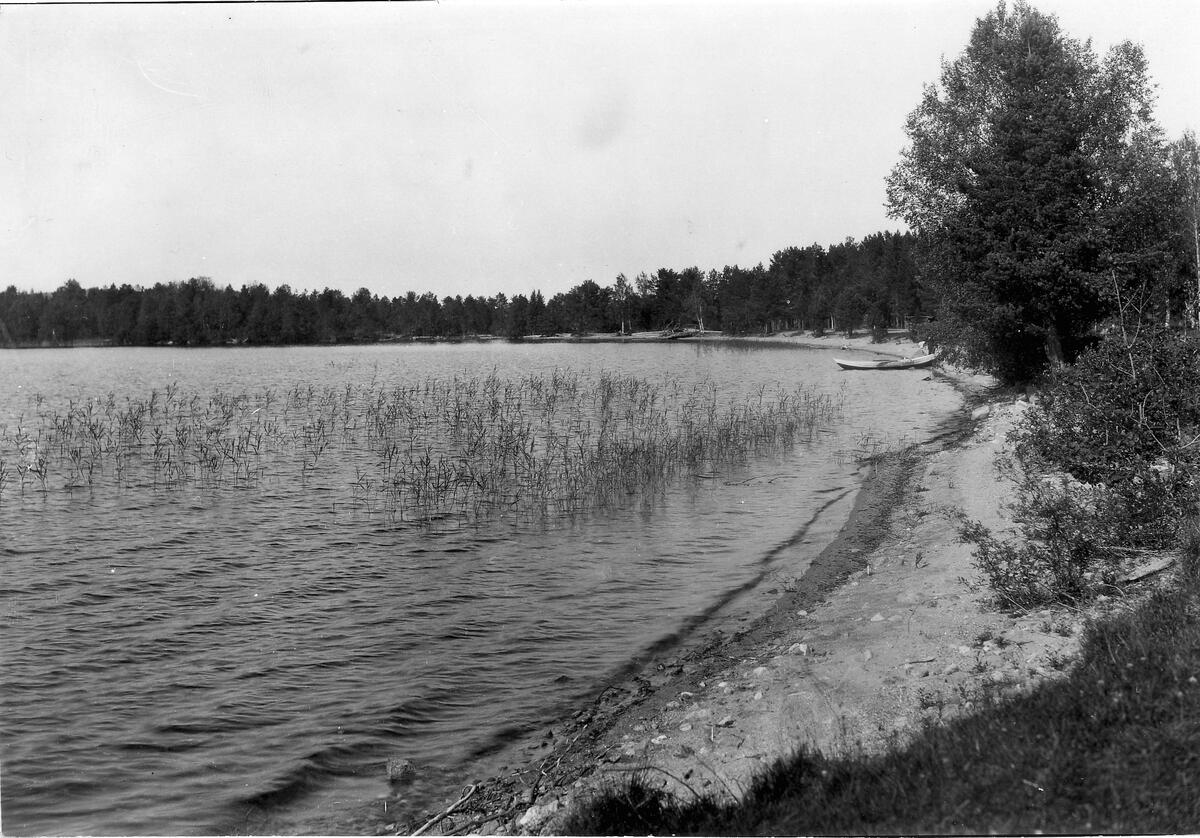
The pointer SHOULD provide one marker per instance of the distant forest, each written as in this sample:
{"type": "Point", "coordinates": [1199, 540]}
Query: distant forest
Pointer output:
{"type": "Point", "coordinates": [869, 284]}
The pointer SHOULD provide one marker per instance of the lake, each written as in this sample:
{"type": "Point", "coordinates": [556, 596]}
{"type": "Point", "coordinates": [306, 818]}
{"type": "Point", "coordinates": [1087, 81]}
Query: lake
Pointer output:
{"type": "Point", "coordinates": [237, 581]}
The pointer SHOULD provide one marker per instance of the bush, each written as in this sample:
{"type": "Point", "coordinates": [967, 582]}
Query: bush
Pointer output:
{"type": "Point", "coordinates": [1121, 429]}
{"type": "Point", "coordinates": [1122, 412]}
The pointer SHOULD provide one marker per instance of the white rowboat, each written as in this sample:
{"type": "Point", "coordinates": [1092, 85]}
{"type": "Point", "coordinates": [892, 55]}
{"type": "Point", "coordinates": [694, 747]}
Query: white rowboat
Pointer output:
{"type": "Point", "coordinates": [888, 364]}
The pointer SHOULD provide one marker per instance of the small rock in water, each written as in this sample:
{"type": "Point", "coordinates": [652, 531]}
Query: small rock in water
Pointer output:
{"type": "Point", "coordinates": [401, 770]}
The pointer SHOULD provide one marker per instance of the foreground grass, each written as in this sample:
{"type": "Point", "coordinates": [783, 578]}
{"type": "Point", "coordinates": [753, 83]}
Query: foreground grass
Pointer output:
{"type": "Point", "coordinates": [1115, 747]}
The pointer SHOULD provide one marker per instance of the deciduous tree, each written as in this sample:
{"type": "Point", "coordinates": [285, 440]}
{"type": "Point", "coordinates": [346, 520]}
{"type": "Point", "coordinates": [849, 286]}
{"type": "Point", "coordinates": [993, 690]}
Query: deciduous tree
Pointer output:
{"type": "Point", "coordinates": [1035, 176]}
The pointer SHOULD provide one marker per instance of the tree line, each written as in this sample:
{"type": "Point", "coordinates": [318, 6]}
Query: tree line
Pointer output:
{"type": "Point", "coordinates": [871, 284]}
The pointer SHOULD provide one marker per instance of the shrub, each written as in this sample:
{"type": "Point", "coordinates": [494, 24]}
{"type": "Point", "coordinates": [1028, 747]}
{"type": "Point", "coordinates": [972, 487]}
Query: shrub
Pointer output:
{"type": "Point", "coordinates": [1121, 430]}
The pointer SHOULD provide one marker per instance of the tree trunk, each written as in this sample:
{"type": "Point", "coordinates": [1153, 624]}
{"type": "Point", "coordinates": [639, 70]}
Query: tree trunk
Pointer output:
{"type": "Point", "coordinates": [1054, 352]}
{"type": "Point", "coordinates": [1196, 241]}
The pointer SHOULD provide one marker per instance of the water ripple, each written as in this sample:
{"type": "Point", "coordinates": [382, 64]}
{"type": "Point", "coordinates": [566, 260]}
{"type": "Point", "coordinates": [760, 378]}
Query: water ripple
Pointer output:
{"type": "Point", "coordinates": [197, 656]}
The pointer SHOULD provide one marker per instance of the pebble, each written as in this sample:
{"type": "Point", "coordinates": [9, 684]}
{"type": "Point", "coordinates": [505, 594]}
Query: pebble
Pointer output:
{"type": "Point", "coordinates": [798, 649]}
{"type": "Point", "coordinates": [685, 727]}
{"type": "Point", "coordinates": [536, 815]}
{"type": "Point", "coordinates": [866, 656]}
{"type": "Point", "coordinates": [759, 671]}
{"type": "Point", "coordinates": [877, 618]}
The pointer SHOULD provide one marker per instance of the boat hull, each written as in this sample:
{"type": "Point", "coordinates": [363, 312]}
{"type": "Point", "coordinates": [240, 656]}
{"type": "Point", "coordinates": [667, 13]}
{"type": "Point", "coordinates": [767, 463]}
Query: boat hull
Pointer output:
{"type": "Point", "coordinates": [891, 364]}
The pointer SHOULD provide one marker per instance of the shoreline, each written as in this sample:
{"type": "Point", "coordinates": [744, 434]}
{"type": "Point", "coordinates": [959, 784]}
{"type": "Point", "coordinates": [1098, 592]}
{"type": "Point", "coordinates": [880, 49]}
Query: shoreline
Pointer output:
{"type": "Point", "coordinates": [818, 666]}
{"type": "Point", "coordinates": [815, 666]}
{"type": "Point", "coordinates": [590, 744]}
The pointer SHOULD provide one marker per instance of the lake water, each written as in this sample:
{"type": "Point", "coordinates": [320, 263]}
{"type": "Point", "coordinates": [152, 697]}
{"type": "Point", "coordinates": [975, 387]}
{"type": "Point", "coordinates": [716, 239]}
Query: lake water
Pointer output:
{"type": "Point", "coordinates": [241, 643]}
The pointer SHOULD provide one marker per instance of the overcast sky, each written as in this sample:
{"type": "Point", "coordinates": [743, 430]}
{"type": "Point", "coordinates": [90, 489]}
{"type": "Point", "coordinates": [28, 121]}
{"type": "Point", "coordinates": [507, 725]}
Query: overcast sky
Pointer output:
{"type": "Point", "coordinates": [471, 148]}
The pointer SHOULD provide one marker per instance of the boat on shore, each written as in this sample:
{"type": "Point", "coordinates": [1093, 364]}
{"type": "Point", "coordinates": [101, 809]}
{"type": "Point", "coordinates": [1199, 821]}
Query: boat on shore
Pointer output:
{"type": "Point", "coordinates": [679, 333]}
{"type": "Point", "coordinates": [888, 363]}
{"type": "Point", "coordinates": [664, 334]}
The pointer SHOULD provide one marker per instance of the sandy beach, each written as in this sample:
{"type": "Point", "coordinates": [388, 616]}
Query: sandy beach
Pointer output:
{"type": "Point", "coordinates": [889, 627]}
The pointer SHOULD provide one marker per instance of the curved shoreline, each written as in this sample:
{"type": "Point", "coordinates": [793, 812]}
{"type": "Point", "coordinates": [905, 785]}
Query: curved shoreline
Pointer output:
{"type": "Point", "coordinates": [584, 745]}
{"type": "Point", "coordinates": [609, 735]}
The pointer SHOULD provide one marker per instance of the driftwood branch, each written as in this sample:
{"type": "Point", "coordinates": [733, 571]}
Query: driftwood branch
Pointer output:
{"type": "Point", "coordinates": [438, 818]}
{"type": "Point", "coordinates": [1150, 570]}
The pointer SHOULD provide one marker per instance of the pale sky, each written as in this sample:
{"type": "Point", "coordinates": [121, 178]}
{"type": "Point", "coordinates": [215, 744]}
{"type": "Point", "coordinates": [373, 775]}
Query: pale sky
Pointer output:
{"type": "Point", "coordinates": [473, 148]}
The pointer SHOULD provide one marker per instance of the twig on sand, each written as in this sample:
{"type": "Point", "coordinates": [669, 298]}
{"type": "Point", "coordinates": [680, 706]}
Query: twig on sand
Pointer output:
{"type": "Point", "coordinates": [437, 818]}
{"type": "Point", "coordinates": [475, 823]}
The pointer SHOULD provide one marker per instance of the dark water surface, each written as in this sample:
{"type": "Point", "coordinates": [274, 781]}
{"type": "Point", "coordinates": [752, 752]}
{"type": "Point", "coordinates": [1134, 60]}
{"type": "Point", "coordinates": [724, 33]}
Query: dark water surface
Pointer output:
{"type": "Point", "coordinates": [191, 656]}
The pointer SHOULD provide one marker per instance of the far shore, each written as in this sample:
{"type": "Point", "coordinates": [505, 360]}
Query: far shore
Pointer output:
{"type": "Point", "coordinates": [896, 344]}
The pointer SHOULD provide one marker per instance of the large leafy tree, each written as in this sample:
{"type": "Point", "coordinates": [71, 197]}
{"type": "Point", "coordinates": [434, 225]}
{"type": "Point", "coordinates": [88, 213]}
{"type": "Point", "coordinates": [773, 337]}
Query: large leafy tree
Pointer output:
{"type": "Point", "coordinates": [1035, 175]}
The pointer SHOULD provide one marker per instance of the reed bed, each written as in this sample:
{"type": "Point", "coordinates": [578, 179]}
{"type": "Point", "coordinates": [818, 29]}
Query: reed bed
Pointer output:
{"type": "Point", "coordinates": [466, 448]}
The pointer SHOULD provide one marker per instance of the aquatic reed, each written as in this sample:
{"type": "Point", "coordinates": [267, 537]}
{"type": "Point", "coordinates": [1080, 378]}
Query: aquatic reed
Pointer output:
{"type": "Point", "coordinates": [465, 448]}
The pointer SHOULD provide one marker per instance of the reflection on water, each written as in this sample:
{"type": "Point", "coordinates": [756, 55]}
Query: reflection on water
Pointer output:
{"type": "Point", "coordinates": [181, 654]}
